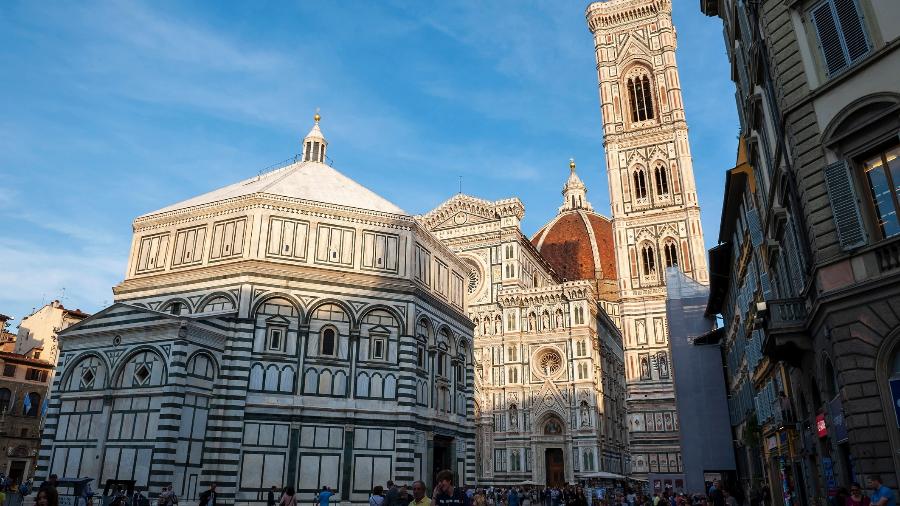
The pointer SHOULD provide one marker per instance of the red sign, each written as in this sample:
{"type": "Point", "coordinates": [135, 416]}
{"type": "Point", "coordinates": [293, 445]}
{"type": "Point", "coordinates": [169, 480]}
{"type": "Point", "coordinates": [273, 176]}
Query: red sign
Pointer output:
{"type": "Point", "coordinates": [820, 426]}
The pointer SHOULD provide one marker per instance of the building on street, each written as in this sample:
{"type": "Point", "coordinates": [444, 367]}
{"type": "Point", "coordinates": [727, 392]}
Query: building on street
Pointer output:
{"type": "Point", "coordinates": [817, 329]}
{"type": "Point", "coordinates": [24, 386]}
{"type": "Point", "coordinates": [293, 328]}
{"type": "Point", "coordinates": [37, 335]}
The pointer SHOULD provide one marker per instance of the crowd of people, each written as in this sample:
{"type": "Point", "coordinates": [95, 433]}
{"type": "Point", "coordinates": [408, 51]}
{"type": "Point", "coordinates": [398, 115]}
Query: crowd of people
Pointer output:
{"type": "Point", "coordinates": [447, 493]}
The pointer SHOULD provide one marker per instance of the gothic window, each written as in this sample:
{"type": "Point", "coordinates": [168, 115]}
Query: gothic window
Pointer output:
{"type": "Point", "coordinates": [640, 184]}
{"type": "Point", "coordinates": [660, 173]}
{"type": "Point", "coordinates": [515, 460]}
{"type": "Point", "coordinates": [662, 364]}
{"type": "Point", "coordinates": [648, 260]}
{"type": "Point", "coordinates": [513, 375]}
{"type": "Point", "coordinates": [512, 354]}
{"type": "Point", "coordinates": [671, 252]}
{"type": "Point", "coordinates": [645, 366]}
{"type": "Point", "coordinates": [328, 344]}
{"type": "Point", "coordinates": [640, 98]}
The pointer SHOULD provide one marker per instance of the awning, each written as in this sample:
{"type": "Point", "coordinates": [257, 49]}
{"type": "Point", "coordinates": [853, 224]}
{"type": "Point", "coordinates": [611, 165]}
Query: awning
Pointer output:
{"type": "Point", "coordinates": [602, 475]}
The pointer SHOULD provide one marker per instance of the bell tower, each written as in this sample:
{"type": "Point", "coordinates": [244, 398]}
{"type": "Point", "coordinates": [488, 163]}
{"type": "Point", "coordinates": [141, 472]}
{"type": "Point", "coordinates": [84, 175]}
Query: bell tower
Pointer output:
{"type": "Point", "coordinates": [656, 217]}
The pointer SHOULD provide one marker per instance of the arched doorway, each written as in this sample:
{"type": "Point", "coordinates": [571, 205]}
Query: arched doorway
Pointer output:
{"type": "Point", "coordinates": [554, 457]}
{"type": "Point", "coordinates": [888, 377]}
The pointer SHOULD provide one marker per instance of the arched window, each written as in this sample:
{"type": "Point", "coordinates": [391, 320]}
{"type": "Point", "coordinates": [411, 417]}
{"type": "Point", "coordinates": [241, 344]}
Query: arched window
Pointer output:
{"type": "Point", "coordinates": [648, 260]}
{"type": "Point", "coordinates": [640, 97]}
{"type": "Point", "coordinates": [329, 342]}
{"type": "Point", "coordinates": [661, 175]}
{"type": "Point", "coordinates": [671, 253]}
{"type": "Point", "coordinates": [640, 184]}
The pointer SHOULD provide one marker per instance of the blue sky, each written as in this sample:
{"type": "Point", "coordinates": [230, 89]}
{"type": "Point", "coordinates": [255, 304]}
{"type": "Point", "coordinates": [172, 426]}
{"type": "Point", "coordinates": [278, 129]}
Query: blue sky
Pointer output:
{"type": "Point", "coordinates": [113, 109]}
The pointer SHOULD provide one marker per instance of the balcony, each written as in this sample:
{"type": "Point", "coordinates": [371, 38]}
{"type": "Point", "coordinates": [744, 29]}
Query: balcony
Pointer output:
{"type": "Point", "coordinates": [786, 336]}
{"type": "Point", "coordinates": [887, 257]}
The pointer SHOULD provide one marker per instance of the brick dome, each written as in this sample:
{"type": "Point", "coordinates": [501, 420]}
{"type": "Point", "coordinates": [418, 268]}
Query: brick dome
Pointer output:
{"type": "Point", "coordinates": [579, 245]}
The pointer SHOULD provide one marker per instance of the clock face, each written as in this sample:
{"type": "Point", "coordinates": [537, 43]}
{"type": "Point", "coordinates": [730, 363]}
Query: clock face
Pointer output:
{"type": "Point", "coordinates": [460, 218]}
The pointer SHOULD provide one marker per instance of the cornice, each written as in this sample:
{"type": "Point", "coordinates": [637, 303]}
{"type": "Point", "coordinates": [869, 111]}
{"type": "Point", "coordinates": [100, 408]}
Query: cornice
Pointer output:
{"type": "Point", "coordinates": [272, 202]}
{"type": "Point", "coordinates": [615, 13]}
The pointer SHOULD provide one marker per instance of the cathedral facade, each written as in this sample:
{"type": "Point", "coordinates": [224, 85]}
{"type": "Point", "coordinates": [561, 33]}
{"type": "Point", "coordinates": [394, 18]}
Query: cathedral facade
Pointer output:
{"type": "Point", "coordinates": [656, 215]}
{"type": "Point", "coordinates": [290, 329]}
{"type": "Point", "coordinates": [548, 358]}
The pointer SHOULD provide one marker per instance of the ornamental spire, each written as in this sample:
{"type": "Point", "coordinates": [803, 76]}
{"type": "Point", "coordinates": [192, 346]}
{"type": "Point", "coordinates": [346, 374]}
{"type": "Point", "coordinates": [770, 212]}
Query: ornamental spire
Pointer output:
{"type": "Point", "coordinates": [314, 144]}
{"type": "Point", "coordinates": [574, 192]}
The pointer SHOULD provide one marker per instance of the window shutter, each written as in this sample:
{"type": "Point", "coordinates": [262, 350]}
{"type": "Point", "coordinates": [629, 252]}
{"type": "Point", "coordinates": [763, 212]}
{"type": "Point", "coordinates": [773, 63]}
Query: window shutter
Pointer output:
{"type": "Point", "coordinates": [740, 109]}
{"type": "Point", "coordinates": [746, 36]}
{"type": "Point", "coordinates": [829, 36]}
{"type": "Point", "coordinates": [843, 206]}
{"type": "Point", "coordinates": [742, 73]}
{"type": "Point", "coordinates": [766, 285]}
{"type": "Point", "coordinates": [852, 28]}
{"type": "Point", "coordinates": [756, 235]}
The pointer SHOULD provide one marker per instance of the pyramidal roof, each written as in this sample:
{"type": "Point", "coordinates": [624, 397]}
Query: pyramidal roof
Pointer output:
{"type": "Point", "coordinates": [305, 180]}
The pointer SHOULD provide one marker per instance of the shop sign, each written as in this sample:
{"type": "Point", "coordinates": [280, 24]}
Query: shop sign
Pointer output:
{"type": "Point", "coordinates": [821, 428]}
{"type": "Point", "coordinates": [838, 425]}
{"type": "Point", "coordinates": [895, 396]}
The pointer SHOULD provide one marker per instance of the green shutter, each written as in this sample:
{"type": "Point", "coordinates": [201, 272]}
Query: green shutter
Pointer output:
{"type": "Point", "coordinates": [844, 206]}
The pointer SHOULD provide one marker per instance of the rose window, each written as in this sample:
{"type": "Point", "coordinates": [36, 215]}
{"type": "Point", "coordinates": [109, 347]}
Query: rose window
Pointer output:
{"type": "Point", "coordinates": [473, 280]}
{"type": "Point", "coordinates": [550, 362]}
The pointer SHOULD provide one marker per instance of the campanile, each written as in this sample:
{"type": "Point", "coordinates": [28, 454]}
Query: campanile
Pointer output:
{"type": "Point", "coordinates": [656, 216]}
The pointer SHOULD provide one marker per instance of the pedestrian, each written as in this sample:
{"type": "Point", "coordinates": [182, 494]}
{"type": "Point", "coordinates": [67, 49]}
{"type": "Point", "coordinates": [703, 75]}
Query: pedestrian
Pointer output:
{"type": "Point", "coordinates": [391, 496]}
{"type": "Point", "coordinates": [208, 497]}
{"type": "Point", "coordinates": [856, 497]}
{"type": "Point", "coordinates": [51, 482]}
{"type": "Point", "coordinates": [325, 495]}
{"type": "Point", "coordinates": [730, 500]}
{"type": "Point", "coordinates": [47, 496]}
{"type": "Point", "coordinates": [513, 497]}
{"type": "Point", "coordinates": [288, 498]}
{"type": "Point", "coordinates": [138, 499]}
{"type": "Point", "coordinates": [377, 497]}
{"type": "Point", "coordinates": [716, 496]}
{"type": "Point", "coordinates": [445, 494]}
{"type": "Point", "coordinates": [167, 497]}
{"type": "Point", "coordinates": [271, 500]}
{"type": "Point", "coordinates": [882, 495]}
{"type": "Point", "coordinates": [420, 498]}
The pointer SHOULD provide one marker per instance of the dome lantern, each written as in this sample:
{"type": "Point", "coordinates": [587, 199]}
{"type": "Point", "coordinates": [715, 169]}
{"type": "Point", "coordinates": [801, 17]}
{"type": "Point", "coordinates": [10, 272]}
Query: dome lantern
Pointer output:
{"type": "Point", "coordinates": [314, 144]}
{"type": "Point", "coordinates": [574, 192]}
